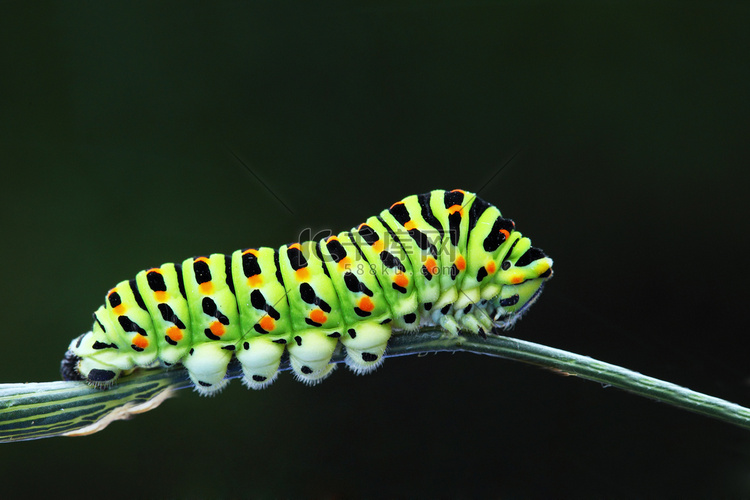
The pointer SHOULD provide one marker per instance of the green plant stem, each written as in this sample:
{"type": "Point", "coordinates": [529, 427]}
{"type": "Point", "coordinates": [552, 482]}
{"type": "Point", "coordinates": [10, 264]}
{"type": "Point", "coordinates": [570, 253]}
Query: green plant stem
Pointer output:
{"type": "Point", "coordinates": [38, 410]}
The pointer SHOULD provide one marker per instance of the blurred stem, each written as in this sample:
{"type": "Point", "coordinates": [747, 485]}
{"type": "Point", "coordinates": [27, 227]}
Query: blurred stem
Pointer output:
{"type": "Point", "coordinates": [38, 410]}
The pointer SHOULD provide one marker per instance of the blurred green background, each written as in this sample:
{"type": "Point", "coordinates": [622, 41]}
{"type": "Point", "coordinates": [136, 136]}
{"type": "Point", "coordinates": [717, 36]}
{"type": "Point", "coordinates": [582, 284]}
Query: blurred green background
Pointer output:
{"type": "Point", "coordinates": [629, 122]}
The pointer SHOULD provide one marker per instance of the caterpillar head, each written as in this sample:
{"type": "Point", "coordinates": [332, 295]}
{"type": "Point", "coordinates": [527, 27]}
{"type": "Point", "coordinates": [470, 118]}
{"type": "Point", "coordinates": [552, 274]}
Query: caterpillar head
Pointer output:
{"type": "Point", "coordinates": [520, 279]}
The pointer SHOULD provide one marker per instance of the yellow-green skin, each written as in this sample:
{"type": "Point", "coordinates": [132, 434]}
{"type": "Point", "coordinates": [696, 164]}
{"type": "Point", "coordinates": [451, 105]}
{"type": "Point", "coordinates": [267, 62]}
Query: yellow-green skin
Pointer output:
{"type": "Point", "coordinates": [444, 258]}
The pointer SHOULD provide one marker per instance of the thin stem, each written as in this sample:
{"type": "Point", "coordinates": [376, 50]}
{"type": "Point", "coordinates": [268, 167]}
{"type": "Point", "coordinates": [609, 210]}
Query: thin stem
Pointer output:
{"type": "Point", "coordinates": [38, 410]}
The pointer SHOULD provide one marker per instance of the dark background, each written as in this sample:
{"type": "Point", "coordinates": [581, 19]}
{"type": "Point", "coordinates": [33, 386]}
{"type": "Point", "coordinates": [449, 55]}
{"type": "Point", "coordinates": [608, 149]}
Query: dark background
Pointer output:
{"type": "Point", "coordinates": [629, 125]}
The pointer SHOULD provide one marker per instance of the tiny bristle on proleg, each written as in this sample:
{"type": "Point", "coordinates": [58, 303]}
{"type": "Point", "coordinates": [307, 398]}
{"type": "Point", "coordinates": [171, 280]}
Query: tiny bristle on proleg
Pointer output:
{"type": "Point", "coordinates": [206, 389]}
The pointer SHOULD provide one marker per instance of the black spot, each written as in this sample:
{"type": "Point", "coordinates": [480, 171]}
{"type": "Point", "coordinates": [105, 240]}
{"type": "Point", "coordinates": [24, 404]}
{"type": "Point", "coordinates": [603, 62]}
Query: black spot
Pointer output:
{"type": "Point", "coordinates": [391, 261]}
{"type": "Point", "coordinates": [156, 281]}
{"type": "Point", "coordinates": [336, 249]}
{"type": "Point", "coordinates": [204, 384]}
{"type": "Point", "coordinates": [454, 272]}
{"type": "Point", "coordinates": [530, 256]}
{"type": "Point", "coordinates": [445, 309]}
{"type": "Point", "coordinates": [246, 345]}
{"type": "Point", "coordinates": [427, 306]}
{"type": "Point", "coordinates": [482, 334]}
{"type": "Point", "coordinates": [352, 333]}
{"type": "Point", "coordinates": [306, 370]}
{"type": "Point", "coordinates": [168, 315]}
{"type": "Point", "coordinates": [313, 323]}
{"type": "Point", "coordinates": [279, 341]}
{"type": "Point", "coordinates": [368, 234]}
{"type": "Point", "coordinates": [335, 335]}
{"type": "Point", "coordinates": [467, 309]}
{"type": "Point", "coordinates": [369, 357]}
{"type": "Point", "coordinates": [191, 351]}
{"type": "Point", "coordinates": [130, 326]}
{"type": "Point", "coordinates": [102, 345]}
{"type": "Point", "coordinates": [410, 318]}
{"type": "Point", "coordinates": [250, 265]}
{"type": "Point", "coordinates": [400, 213]}
{"type": "Point", "coordinates": [170, 340]}
{"type": "Point", "coordinates": [259, 378]}
{"type": "Point", "coordinates": [505, 265]}
{"type": "Point", "coordinates": [136, 348]}
{"type": "Point", "coordinates": [210, 334]}
{"type": "Point", "coordinates": [257, 300]}
{"type": "Point", "coordinates": [228, 347]}
{"type": "Point", "coordinates": [481, 274]}
{"type": "Point", "coordinates": [298, 339]}
{"type": "Point", "coordinates": [398, 288]}
{"type": "Point", "coordinates": [307, 293]}
{"type": "Point", "coordinates": [97, 375]}
{"type": "Point", "coordinates": [296, 259]}
{"type": "Point", "coordinates": [427, 274]}
{"type": "Point", "coordinates": [114, 300]}
{"type": "Point", "coordinates": [202, 271]}
{"type": "Point", "coordinates": [362, 314]}
{"type": "Point", "coordinates": [386, 321]}
{"type": "Point", "coordinates": [510, 301]}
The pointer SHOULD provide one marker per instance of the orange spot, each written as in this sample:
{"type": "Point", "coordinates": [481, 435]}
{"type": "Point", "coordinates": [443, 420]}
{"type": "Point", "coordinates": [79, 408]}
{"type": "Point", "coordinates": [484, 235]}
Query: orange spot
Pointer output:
{"type": "Point", "coordinates": [296, 245]}
{"type": "Point", "coordinates": [410, 224]}
{"type": "Point", "coordinates": [397, 203]}
{"type": "Point", "coordinates": [431, 266]}
{"type": "Point", "coordinates": [120, 310]}
{"type": "Point", "coordinates": [251, 251]}
{"type": "Point", "coordinates": [139, 341]}
{"type": "Point", "coordinates": [378, 246]}
{"type": "Point", "coordinates": [460, 263]}
{"type": "Point", "coordinates": [345, 263]}
{"type": "Point", "coordinates": [491, 267]}
{"type": "Point", "coordinates": [456, 208]}
{"type": "Point", "coordinates": [202, 259]}
{"type": "Point", "coordinates": [318, 316]}
{"type": "Point", "coordinates": [206, 288]}
{"type": "Point", "coordinates": [174, 333]}
{"type": "Point", "coordinates": [401, 280]}
{"type": "Point", "coordinates": [161, 296]}
{"type": "Point", "coordinates": [255, 281]}
{"type": "Point", "coordinates": [505, 233]}
{"type": "Point", "coordinates": [366, 304]}
{"type": "Point", "coordinates": [217, 329]}
{"type": "Point", "coordinates": [514, 280]}
{"type": "Point", "coordinates": [267, 323]}
{"type": "Point", "coordinates": [154, 270]}
{"type": "Point", "coordinates": [458, 191]}
{"type": "Point", "coordinates": [303, 274]}
{"type": "Point", "coordinates": [332, 238]}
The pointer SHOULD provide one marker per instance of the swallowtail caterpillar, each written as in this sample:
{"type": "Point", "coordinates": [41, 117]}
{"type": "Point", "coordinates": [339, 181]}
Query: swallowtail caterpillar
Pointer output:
{"type": "Point", "coordinates": [444, 258]}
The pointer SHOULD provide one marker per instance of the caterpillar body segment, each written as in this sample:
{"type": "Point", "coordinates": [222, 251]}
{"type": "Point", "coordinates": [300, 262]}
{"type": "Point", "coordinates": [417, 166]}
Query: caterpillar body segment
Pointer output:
{"type": "Point", "coordinates": [444, 258]}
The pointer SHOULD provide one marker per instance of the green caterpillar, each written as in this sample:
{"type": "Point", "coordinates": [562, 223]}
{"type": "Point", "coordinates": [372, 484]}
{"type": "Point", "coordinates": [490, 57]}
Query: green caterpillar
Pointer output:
{"type": "Point", "coordinates": [444, 258]}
